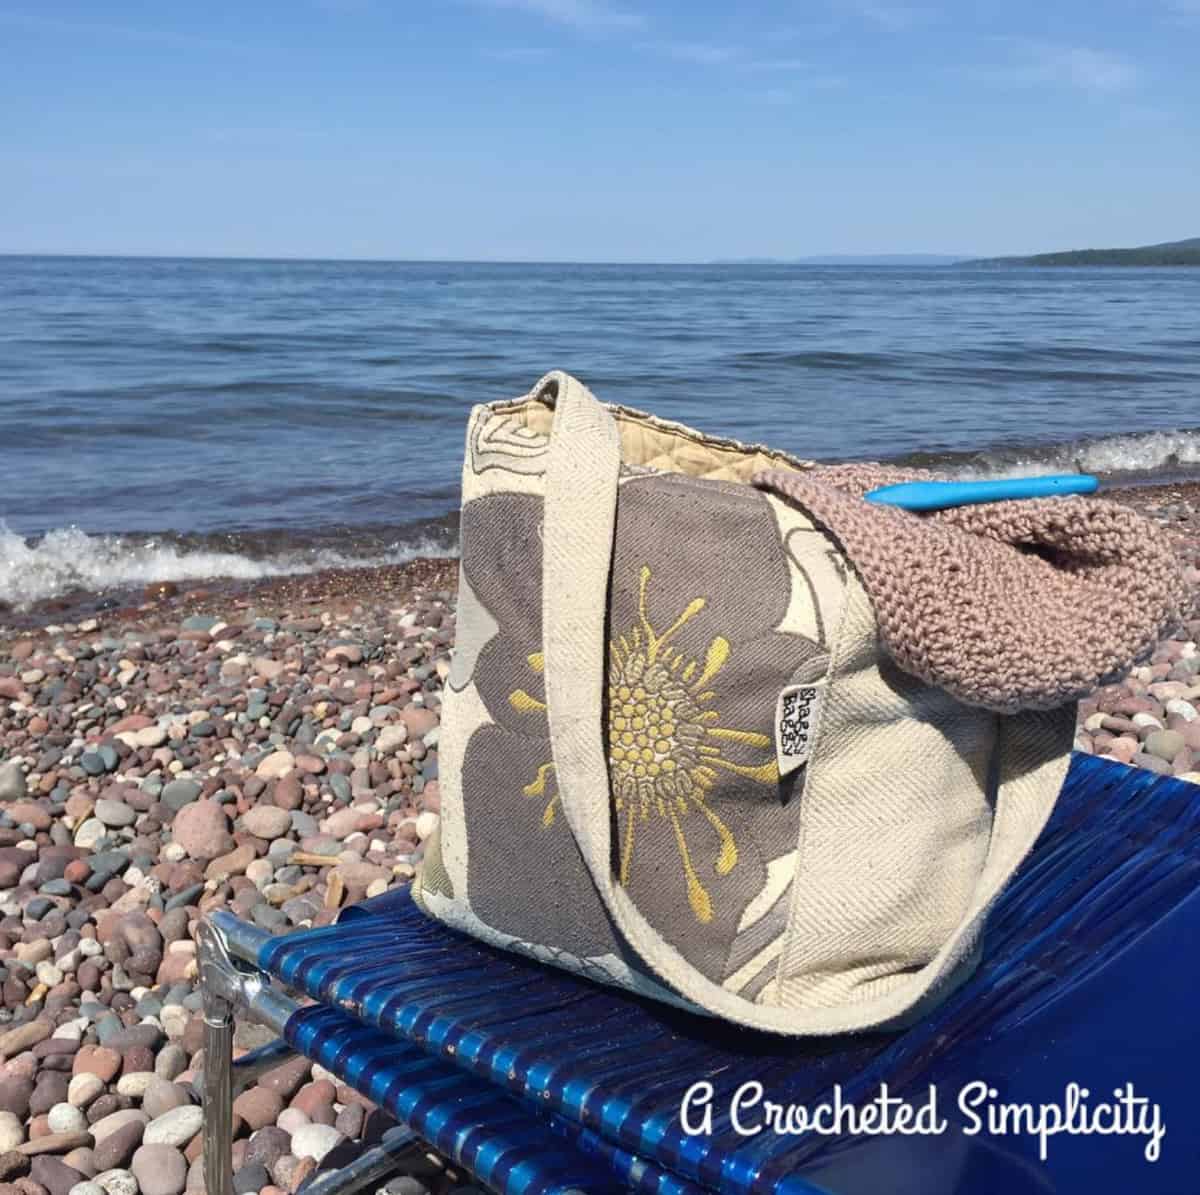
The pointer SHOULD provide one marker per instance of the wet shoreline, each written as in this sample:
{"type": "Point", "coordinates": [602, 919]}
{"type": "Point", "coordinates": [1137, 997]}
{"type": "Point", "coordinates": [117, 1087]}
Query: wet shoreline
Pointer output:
{"type": "Point", "coordinates": [1175, 505]}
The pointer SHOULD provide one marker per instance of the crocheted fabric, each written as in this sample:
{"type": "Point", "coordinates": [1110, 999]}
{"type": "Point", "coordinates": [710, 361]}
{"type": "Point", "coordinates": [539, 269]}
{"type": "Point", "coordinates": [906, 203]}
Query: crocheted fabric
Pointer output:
{"type": "Point", "coordinates": [1006, 605]}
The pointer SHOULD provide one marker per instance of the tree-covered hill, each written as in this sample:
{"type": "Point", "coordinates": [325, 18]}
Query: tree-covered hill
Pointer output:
{"type": "Point", "coordinates": [1170, 253]}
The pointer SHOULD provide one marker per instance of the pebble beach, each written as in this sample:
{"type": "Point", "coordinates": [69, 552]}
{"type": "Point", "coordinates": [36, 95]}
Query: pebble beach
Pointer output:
{"type": "Point", "coordinates": [270, 748]}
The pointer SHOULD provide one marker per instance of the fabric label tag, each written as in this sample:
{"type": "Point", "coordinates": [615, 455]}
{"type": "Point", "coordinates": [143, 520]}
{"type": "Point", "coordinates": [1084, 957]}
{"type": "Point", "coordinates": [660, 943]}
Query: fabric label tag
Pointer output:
{"type": "Point", "coordinates": [796, 714]}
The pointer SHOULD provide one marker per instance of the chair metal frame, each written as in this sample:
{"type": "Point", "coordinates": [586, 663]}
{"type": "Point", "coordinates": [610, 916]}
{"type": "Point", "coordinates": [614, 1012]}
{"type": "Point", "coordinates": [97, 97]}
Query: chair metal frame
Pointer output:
{"type": "Point", "coordinates": [528, 1078]}
{"type": "Point", "coordinates": [230, 983]}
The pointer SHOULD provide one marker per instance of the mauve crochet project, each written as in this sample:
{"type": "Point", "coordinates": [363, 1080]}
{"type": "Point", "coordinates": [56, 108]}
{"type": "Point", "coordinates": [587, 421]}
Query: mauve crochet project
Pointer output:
{"type": "Point", "coordinates": [1006, 605]}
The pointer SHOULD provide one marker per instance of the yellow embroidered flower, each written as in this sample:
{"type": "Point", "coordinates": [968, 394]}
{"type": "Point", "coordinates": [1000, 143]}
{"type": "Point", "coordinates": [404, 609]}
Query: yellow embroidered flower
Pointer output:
{"type": "Point", "coordinates": [666, 744]}
{"type": "Point", "coordinates": [695, 643]}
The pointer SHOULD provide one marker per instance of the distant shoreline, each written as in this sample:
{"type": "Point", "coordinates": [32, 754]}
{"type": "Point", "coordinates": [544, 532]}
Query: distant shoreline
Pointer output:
{"type": "Point", "coordinates": [1169, 254]}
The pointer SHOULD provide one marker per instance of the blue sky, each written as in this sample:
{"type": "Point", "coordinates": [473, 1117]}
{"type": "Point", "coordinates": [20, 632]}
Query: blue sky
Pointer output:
{"type": "Point", "coordinates": [616, 130]}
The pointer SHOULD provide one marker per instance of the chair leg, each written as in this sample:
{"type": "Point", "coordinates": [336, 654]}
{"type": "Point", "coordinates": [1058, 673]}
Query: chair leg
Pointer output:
{"type": "Point", "coordinates": [227, 984]}
{"type": "Point", "coordinates": [218, 1095]}
{"type": "Point", "coordinates": [221, 991]}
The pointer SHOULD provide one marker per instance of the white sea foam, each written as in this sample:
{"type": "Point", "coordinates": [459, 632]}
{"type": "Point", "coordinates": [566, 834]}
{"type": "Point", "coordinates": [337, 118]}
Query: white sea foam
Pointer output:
{"type": "Point", "coordinates": [1113, 457]}
{"type": "Point", "coordinates": [69, 559]}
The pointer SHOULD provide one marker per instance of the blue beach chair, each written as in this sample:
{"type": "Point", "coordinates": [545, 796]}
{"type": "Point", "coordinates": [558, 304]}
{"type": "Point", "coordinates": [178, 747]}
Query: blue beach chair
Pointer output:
{"type": "Point", "coordinates": [535, 1081]}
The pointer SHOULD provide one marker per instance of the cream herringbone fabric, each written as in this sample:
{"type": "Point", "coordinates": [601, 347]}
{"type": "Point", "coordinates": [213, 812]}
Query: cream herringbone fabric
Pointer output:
{"type": "Point", "coordinates": [689, 743]}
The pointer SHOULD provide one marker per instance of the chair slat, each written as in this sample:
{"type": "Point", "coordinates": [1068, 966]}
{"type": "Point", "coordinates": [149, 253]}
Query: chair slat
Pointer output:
{"type": "Point", "coordinates": [1120, 857]}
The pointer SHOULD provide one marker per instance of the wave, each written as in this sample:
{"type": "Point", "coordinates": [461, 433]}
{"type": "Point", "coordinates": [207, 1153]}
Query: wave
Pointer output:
{"type": "Point", "coordinates": [1144, 457]}
{"type": "Point", "coordinates": [69, 560]}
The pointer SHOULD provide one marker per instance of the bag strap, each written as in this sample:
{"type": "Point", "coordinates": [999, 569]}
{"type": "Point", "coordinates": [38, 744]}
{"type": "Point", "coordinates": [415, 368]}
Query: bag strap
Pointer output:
{"type": "Point", "coordinates": [582, 471]}
{"type": "Point", "coordinates": [582, 477]}
{"type": "Point", "coordinates": [579, 521]}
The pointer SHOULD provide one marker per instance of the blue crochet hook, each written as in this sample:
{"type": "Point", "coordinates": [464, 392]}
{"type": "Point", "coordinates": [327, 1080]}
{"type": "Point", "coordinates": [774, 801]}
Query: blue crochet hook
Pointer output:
{"type": "Point", "coordinates": [940, 495]}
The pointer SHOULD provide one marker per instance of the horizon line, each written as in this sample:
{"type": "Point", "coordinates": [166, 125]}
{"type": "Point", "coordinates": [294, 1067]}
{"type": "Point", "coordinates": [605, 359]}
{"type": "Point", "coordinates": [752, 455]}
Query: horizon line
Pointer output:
{"type": "Point", "coordinates": [817, 258]}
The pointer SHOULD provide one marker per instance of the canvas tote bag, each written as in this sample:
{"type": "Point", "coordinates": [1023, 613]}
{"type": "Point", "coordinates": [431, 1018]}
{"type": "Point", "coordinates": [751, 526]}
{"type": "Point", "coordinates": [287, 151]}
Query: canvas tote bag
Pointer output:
{"type": "Point", "coordinates": [719, 731]}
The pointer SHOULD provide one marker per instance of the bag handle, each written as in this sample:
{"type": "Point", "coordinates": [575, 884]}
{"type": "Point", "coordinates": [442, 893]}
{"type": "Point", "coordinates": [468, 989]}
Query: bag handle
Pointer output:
{"type": "Point", "coordinates": [579, 522]}
{"type": "Point", "coordinates": [1006, 605]}
{"type": "Point", "coordinates": [582, 471]}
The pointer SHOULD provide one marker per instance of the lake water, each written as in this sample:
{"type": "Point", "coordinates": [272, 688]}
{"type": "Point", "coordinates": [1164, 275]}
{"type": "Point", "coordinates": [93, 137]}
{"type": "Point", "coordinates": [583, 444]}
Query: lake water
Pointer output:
{"type": "Point", "coordinates": [185, 418]}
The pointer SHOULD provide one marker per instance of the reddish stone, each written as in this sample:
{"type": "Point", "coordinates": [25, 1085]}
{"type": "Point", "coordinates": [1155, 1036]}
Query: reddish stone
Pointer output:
{"type": "Point", "coordinates": [77, 871]}
{"type": "Point", "coordinates": [113, 890]}
{"type": "Point", "coordinates": [202, 829]}
{"type": "Point", "coordinates": [345, 822]}
{"type": "Point", "coordinates": [137, 1060]}
{"type": "Point", "coordinates": [88, 975]}
{"type": "Point", "coordinates": [316, 1099]}
{"type": "Point", "coordinates": [1136, 705]}
{"type": "Point", "coordinates": [232, 864]}
{"type": "Point", "coordinates": [299, 1173]}
{"type": "Point", "coordinates": [419, 720]}
{"type": "Point", "coordinates": [55, 1045]}
{"type": "Point", "coordinates": [174, 967]}
{"type": "Point", "coordinates": [1124, 749]}
{"type": "Point", "coordinates": [287, 1078]}
{"type": "Point", "coordinates": [29, 812]}
{"type": "Point", "coordinates": [108, 926]}
{"type": "Point", "coordinates": [361, 874]}
{"type": "Point", "coordinates": [119, 1146]}
{"type": "Point", "coordinates": [184, 875]}
{"type": "Point", "coordinates": [97, 1060]}
{"type": "Point", "coordinates": [289, 792]}
{"type": "Point", "coordinates": [258, 1107]}
{"type": "Point", "coordinates": [15, 1092]}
